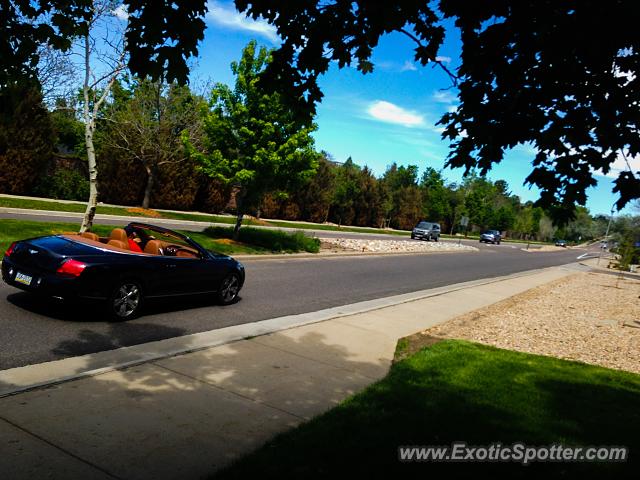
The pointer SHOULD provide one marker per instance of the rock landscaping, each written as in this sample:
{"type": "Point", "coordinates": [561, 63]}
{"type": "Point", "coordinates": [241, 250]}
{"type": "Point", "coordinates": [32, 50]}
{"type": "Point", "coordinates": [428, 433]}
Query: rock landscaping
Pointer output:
{"type": "Point", "coordinates": [393, 246]}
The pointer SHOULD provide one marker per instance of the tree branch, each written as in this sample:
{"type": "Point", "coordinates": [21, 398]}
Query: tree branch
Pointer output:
{"type": "Point", "coordinates": [454, 78]}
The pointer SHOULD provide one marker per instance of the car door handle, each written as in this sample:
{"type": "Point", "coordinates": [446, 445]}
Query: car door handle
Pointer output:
{"type": "Point", "coordinates": [172, 265]}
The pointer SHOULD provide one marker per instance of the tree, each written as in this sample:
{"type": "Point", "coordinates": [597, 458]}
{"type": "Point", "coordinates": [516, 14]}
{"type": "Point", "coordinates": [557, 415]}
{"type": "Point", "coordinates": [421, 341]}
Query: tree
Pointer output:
{"type": "Point", "coordinates": [26, 138]}
{"type": "Point", "coordinates": [435, 198]}
{"type": "Point", "coordinates": [160, 36]}
{"type": "Point", "coordinates": [315, 198]}
{"type": "Point", "coordinates": [27, 26]}
{"type": "Point", "coordinates": [97, 84]}
{"type": "Point", "coordinates": [346, 190]}
{"type": "Point", "coordinates": [406, 201]}
{"type": "Point", "coordinates": [150, 125]}
{"type": "Point", "coordinates": [561, 75]}
{"type": "Point", "coordinates": [252, 140]}
{"type": "Point", "coordinates": [56, 74]}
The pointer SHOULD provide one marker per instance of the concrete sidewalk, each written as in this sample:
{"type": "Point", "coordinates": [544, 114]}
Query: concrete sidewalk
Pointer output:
{"type": "Point", "coordinates": [185, 416]}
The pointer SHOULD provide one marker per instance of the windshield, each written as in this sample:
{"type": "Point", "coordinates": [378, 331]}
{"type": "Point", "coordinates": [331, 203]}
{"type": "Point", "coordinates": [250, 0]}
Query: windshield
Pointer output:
{"type": "Point", "coordinates": [423, 225]}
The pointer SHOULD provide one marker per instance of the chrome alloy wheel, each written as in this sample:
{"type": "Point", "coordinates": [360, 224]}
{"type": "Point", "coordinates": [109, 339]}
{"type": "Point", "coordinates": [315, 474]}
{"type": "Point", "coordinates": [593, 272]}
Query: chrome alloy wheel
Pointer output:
{"type": "Point", "coordinates": [126, 300]}
{"type": "Point", "coordinates": [230, 288]}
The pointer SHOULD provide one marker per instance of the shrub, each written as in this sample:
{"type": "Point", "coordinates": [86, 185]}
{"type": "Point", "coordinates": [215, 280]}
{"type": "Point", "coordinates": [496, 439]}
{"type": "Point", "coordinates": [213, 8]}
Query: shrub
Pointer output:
{"type": "Point", "coordinates": [628, 253]}
{"type": "Point", "coordinates": [26, 138]}
{"type": "Point", "coordinates": [275, 240]}
{"type": "Point", "coordinates": [64, 184]}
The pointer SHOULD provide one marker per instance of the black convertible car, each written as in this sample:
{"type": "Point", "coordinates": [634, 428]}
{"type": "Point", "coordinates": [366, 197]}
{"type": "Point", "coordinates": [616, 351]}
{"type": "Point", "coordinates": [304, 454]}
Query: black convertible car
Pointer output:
{"type": "Point", "coordinates": [132, 264]}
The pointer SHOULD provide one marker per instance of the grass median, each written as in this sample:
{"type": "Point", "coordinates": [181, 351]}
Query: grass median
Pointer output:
{"type": "Point", "coordinates": [252, 241]}
{"type": "Point", "coordinates": [78, 207]}
{"type": "Point", "coordinates": [457, 391]}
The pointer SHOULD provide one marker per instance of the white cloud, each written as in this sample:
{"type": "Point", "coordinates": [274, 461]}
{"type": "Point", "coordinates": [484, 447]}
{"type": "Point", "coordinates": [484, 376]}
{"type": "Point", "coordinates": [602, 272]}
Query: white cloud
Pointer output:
{"type": "Point", "coordinates": [445, 96]}
{"type": "Point", "coordinates": [620, 165]}
{"type": "Point", "coordinates": [390, 113]}
{"type": "Point", "coordinates": [408, 66]}
{"type": "Point", "coordinates": [121, 12]}
{"type": "Point", "coordinates": [443, 59]}
{"type": "Point", "coordinates": [227, 16]}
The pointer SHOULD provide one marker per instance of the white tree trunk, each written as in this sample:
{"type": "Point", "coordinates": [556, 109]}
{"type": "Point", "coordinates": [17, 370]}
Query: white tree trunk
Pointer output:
{"type": "Point", "coordinates": [89, 126]}
{"type": "Point", "coordinates": [90, 115]}
{"type": "Point", "coordinates": [90, 212]}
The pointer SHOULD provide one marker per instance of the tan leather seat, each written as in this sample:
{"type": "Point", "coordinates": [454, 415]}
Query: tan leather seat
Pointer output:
{"type": "Point", "coordinates": [118, 244]}
{"type": "Point", "coordinates": [120, 235]}
{"type": "Point", "coordinates": [153, 247]}
{"type": "Point", "coordinates": [90, 236]}
{"type": "Point", "coordinates": [185, 254]}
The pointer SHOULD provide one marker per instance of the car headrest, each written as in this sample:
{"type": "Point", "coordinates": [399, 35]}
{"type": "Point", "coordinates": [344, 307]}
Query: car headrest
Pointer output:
{"type": "Point", "coordinates": [117, 243]}
{"type": "Point", "coordinates": [153, 247]}
{"type": "Point", "coordinates": [90, 236]}
{"type": "Point", "coordinates": [119, 234]}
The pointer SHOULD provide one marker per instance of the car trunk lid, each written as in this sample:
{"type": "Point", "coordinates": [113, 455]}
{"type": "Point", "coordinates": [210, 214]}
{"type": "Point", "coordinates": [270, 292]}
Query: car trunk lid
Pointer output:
{"type": "Point", "coordinates": [46, 253]}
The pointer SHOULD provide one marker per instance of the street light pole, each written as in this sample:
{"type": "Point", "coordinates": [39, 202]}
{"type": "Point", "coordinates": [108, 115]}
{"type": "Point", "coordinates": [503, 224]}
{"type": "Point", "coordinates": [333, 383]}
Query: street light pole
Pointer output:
{"type": "Point", "coordinates": [606, 235]}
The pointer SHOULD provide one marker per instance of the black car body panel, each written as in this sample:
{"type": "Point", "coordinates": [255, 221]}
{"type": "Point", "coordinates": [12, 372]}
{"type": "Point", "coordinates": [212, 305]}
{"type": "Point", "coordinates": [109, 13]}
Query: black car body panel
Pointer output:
{"type": "Point", "coordinates": [40, 258]}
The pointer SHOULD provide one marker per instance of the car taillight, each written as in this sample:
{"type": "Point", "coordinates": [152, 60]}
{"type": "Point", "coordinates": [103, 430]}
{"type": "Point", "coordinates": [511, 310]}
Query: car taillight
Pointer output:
{"type": "Point", "coordinates": [71, 267]}
{"type": "Point", "coordinates": [10, 250]}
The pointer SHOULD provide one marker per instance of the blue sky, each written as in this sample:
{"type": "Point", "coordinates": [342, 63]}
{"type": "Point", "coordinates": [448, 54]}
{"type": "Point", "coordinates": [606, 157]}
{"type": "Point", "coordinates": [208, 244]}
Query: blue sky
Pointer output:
{"type": "Point", "coordinates": [382, 117]}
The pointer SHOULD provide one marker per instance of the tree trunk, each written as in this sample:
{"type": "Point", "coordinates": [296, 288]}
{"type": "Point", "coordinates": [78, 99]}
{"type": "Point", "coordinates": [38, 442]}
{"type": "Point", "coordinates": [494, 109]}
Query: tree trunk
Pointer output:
{"type": "Point", "coordinates": [89, 126]}
{"type": "Point", "coordinates": [148, 188]}
{"type": "Point", "coordinates": [239, 214]}
{"type": "Point", "coordinates": [90, 212]}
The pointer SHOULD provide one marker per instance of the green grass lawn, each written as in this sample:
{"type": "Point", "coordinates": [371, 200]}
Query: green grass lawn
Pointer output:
{"type": "Point", "coordinates": [80, 207]}
{"type": "Point", "coordinates": [459, 391]}
{"type": "Point", "coordinates": [252, 241]}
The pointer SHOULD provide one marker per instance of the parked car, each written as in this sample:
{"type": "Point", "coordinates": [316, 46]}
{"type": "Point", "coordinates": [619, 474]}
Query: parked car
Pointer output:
{"type": "Point", "coordinates": [426, 231]}
{"type": "Point", "coordinates": [561, 243]}
{"type": "Point", "coordinates": [122, 270]}
{"type": "Point", "coordinates": [493, 236]}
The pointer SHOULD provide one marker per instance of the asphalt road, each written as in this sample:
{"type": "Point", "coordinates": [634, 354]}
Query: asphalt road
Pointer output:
{"type": "Point", "coordinates": [35, 330]}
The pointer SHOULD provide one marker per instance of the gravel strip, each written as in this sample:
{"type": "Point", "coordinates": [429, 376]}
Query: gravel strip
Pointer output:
{"type": "Point", "coordinates": [589, 317]}
{"type": "Point", "coordinates": [359, 245]}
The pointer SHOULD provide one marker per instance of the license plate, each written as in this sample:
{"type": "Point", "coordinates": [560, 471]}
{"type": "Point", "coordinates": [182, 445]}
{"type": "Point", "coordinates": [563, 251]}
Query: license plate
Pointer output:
{"type": "Point", "coordinates": [22, 278]}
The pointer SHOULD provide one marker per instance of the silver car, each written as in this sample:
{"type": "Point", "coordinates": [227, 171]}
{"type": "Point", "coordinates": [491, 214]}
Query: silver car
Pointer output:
{"type": "Point", "coordinates": [426, 231]}
{"type": "Point", "coordinates": [492, 236]}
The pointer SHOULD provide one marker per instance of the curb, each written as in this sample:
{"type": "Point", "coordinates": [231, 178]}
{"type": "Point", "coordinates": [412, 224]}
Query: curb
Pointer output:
{"type": "Point", "coordinates": [30, 377]}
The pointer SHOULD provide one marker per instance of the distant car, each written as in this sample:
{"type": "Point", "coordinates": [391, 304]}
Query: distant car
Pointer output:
{"type": "Point", "coordinates": [491, 236]}
{"type": "Point", "coordinates": [561, 243]}
{"type": "Point", "coordinates": [110, 270]}
{"type": "Point", "coordinates": [426, 231]}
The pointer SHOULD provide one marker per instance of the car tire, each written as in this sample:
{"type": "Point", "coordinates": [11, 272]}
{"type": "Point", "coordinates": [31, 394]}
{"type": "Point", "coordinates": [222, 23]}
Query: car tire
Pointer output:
{"type": "Point", "coordinates": [125, 301]}
{"type": "Point", "coordinates": [498, 242]}
{"type": "Point", "coordinates": [436, 238]}
{"type": "Point", "coordinates": [229, 289]}
{"type": "Point", "coordinates": [413, 237]}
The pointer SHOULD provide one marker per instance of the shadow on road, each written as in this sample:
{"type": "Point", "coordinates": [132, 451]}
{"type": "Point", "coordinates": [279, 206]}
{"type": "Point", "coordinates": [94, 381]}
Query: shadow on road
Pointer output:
{"type": "Point", "coordinates": [95, 311]}
{"type": "Point", "coordinates": [119, 335]}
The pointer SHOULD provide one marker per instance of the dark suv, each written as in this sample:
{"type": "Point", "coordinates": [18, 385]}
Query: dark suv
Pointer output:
{"type": "Point", "coordinates": [492, 236]}
{"type": "Point", "coordinates": [426, 231]}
